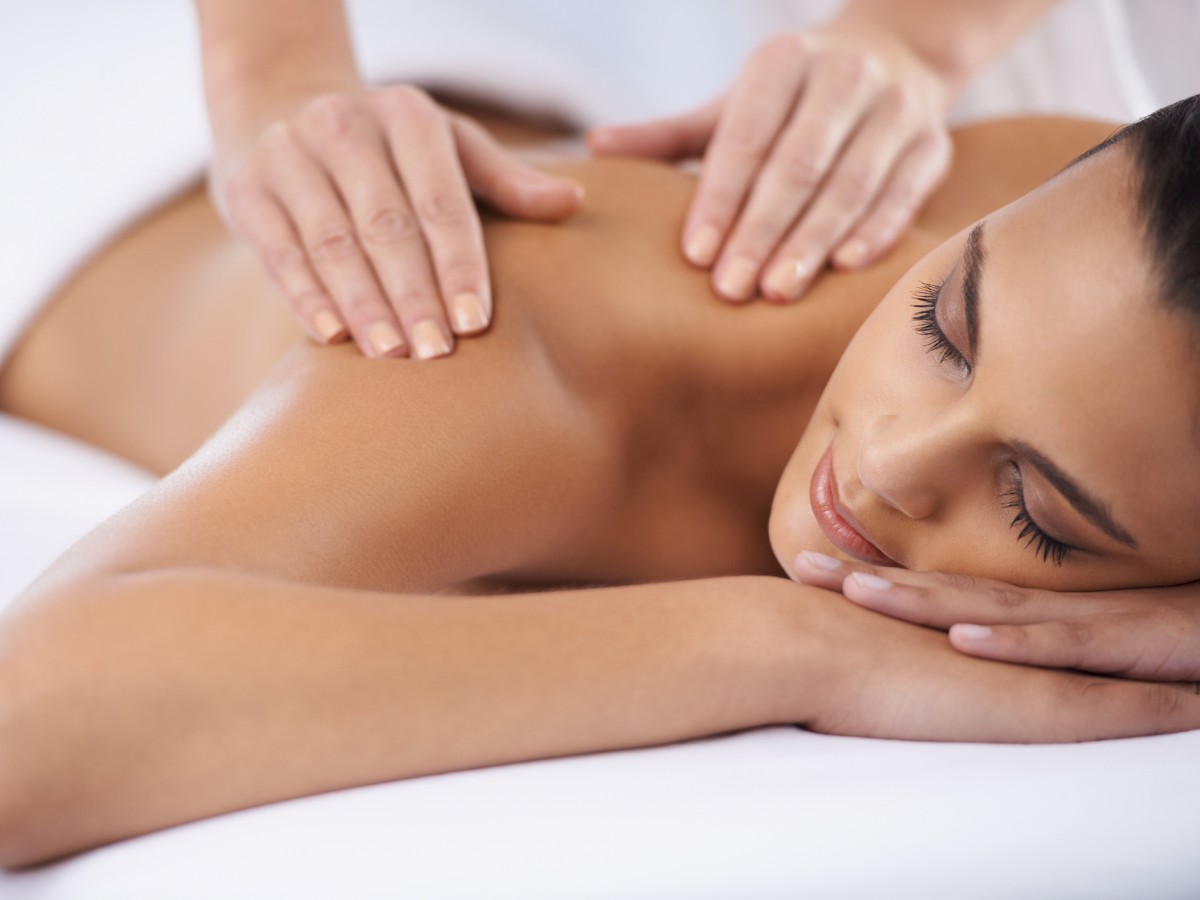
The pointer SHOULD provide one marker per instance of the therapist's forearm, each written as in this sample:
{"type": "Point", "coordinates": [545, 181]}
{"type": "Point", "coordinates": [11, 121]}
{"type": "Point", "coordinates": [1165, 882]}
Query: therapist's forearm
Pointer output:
{"type": "Point", "coordinates": [259, 55]}
{"type": "Point", "coordinates": [956, 37]}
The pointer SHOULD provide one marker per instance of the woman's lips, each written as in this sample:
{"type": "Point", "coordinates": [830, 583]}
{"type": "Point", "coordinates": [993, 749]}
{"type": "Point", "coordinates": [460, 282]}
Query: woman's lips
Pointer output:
{"type": "Point", "coordinates": [836, 523]}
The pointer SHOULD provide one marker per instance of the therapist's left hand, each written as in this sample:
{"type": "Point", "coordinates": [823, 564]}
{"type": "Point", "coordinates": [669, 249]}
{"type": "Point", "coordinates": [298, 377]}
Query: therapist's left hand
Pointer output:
{"type": "Point", "coordinates": [1151, 634]}
{"type": "Point", "coordinates": [823, 150]}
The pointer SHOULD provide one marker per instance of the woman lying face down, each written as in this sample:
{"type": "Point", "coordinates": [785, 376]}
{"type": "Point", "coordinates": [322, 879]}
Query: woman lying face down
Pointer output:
{"type": "Point", "coordinates": [272, 619]}
{"type": "Point", "coordinates": [1022, 404]}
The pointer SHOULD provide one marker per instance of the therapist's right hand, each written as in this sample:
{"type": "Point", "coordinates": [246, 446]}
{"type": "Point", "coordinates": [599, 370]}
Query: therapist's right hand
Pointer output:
{"type": "Point", "coordinates": [360, 205]}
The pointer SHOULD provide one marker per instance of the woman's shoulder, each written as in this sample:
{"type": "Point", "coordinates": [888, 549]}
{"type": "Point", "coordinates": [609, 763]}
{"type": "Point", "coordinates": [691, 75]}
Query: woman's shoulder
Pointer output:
{"type": "Point", "coordinates": [611, 284]}
{"type": "Point", "coordinates": [999, 160]}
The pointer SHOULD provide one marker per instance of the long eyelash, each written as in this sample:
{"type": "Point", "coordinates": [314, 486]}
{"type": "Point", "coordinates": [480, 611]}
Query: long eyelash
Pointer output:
{"type": "Point", "coordinates": [1030, 535]}
{"type": "Point", "coordinates": [925, 319]}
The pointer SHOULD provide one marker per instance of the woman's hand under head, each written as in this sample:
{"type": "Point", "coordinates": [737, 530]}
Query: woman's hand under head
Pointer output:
{"type": "Point", "coordinates": [824, 148]}
{"type": "Point", "coordinates": [1146, 633]}
{"type": "Point", "coordinates": [1019, 407]}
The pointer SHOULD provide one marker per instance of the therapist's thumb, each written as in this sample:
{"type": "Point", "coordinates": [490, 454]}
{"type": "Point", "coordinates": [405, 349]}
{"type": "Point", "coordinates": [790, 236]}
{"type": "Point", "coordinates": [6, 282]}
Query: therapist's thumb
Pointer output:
{"type": "Point", "coordinates": [508, 184]}
{"type": "Point", "coordinates": [677, 137]}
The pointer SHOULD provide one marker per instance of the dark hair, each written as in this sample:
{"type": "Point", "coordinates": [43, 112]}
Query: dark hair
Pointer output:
{"type": "Point", "coordinates": [1165, 147]}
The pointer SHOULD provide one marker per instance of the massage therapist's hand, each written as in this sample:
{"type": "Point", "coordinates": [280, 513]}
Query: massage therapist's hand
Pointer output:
{"type": "Point", "coordinates": [823, 149]}
{"type": "Point", "coordinates": [1148, 633]}
{"type": "Point", "coordinates": [359, 203]}
{"type": "Point", "coordinates": [870, 675]}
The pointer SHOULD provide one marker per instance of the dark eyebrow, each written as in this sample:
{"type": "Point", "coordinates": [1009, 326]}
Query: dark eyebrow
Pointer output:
{"type": "Point", "coordinates": [973, 258]}
{"type": "Point", "coordinates": [1088, 506]}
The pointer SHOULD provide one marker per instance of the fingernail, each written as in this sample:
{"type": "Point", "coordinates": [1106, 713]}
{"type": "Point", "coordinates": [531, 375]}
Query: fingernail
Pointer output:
{"type": "Point", "coordinates": [428, 340]}
{"type": "Point", "coordinates": [736, 278]}
{"type": "Point", "coordinates": [871, 582]}
{"type": "Point", "coordinates": [383, 338]}
{"type": "Point", "coordinates": [327, 325]}
{"type": "Point", "coordinates": [818, 560]}
{"type": "Point", "coordinates": [973, 632]}
{"type": "Point", "coordinates": [852, 254]}
{"type": "Point", "coordinates": [702, 246]}
{"type": "Point", "coordinates": [785, 280]}
{"type": "Point", "coordinates": [469, 314]}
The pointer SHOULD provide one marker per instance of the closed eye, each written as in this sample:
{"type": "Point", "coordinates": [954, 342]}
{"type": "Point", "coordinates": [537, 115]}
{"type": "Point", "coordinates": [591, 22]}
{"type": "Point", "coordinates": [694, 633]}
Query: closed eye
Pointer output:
{"type": "Point", "coordinates": [925, 321]}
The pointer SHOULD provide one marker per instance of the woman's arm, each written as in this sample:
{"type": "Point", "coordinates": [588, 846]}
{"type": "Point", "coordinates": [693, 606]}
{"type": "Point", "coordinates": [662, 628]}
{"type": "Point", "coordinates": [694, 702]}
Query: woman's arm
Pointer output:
{"type": "Point", "coordinates": [137, 702]}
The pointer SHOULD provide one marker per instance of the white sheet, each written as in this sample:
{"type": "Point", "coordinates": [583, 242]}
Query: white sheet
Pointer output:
{"type": "Point", "coordinates": [771, 813]}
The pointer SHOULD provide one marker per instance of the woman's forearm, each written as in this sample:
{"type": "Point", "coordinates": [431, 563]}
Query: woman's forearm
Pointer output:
{"type": "Point", "coordinates": [260, 56]}
{"type": "Point", "coordinates": [133, 703]}
{"type": "Point", "coordinates": [139, 702]}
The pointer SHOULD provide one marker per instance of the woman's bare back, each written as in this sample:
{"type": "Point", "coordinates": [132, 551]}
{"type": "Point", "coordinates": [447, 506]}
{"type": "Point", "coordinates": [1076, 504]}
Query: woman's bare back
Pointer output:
{"type": "Point", "coordinates": [623, 421]}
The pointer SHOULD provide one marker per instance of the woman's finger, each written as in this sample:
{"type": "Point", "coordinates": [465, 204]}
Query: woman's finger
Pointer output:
{"type": "Point", "coordinates": [940, 599]}
{"type": "Point", "coordinates": [758, 106]}
{"type": "Point", "coordinates": [922, 169]}
{"type": "Point", "coordinates": [1156, 643]}
{"type": "Point", "coordinates": [938, 606]}
{"type": "Point", "coordinates": [838, 93]}
{"type": "Point", "coordinates": [1083, 642]}
{"type": "Point", "coordinates": [263, 224]}
{"type": "Point", "coordinates": [1095, 708]}
{"type": "Point", "coordinates": [673, 138]}
{"type": "Point", "coordinates": [849, 190]}
{"type": "Point", "coordinates": [331, 244]}
{"type": "Point", "coordinates": [1067, 707]}
{"type": "Point", "coordinates": [507, 184]}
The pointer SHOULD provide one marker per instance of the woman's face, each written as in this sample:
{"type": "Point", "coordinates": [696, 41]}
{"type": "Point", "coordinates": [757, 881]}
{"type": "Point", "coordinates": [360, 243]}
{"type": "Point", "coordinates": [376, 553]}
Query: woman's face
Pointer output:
{"type": "Point", "coordinates": [1018, 407]}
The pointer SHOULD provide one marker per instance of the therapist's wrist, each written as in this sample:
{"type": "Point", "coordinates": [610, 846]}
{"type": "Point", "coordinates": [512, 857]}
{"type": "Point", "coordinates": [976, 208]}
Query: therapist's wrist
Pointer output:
{"type": "Point", "coordinates": [954, 39]}
{"type": "Point", "coordinates": [906, 59]}
{"type": "Point", "coordinates": [244, 101]}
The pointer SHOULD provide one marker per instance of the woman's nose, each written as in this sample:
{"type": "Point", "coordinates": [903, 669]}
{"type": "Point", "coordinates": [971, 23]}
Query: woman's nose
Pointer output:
{"type": "Point", "coordinates": [909, 462]}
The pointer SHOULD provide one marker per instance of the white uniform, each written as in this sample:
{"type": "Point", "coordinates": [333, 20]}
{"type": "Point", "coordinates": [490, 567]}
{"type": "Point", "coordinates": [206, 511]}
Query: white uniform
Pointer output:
{"type": "Point", "coordinates": [103, 116]}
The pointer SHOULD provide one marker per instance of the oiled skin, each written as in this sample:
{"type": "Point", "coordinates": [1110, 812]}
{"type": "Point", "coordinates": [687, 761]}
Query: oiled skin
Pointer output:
{"type": "Point", "coordinates": [688, 407]}
{"type": "Point", "coordinates": [259, 625]}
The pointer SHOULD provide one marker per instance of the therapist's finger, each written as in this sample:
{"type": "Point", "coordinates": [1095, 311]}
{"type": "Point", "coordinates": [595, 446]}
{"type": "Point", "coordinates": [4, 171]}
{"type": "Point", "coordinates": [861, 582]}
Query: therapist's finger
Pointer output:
{"type": "Point", "coordinates": [757, 108]}
{"type": "Point", "coordinates": [838, 95]}
{"type": "Point", "coordinates": [447, 270]}
{"type": "Point", "coordinates": [331, 244]}
{"type": "Point", "coordinates": [921, 170]}
{"type": "Point", "coordinates": [672, 138]}
{"type": "Point", "coordinates": [261, 222]}
{"type": "Point", "coordinates": [844, 197]}
{"type": "Point", "coordinates": [508, 184]}
{"type": "Point", "coordinates": [349, 142]}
